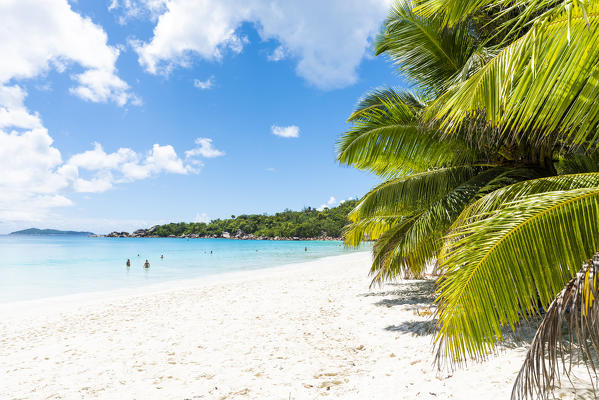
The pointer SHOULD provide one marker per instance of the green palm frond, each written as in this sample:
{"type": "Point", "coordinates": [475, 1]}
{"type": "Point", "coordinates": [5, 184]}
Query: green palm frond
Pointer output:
{"type": "Point", "coordinates": [575, 310]}
{"type": "Point", "coordinates": [418, 242]}
{"type": "Point", "coordinates": [502, 267]}
{"type": "Point", "coordinates": [405, 195]}
{"type": "Point", "coordinates": [486, 205]}
{"type": "Point", "coordinates": [507, 16]}
{"type": "Point", "coordinates": [388, 265]}
{"type": "Point", "coordinates": [541, 89]}
{"type": "Point", "coordinates": [377, 99]}
{"type": "Point", "coordinates": [370, 228]}
{"type": "Point", "coordinates": [578, 163]}
{"type": "Point", "coordinates": [388, 145]}
{"type": "Point", "coordinates": [422, 48]}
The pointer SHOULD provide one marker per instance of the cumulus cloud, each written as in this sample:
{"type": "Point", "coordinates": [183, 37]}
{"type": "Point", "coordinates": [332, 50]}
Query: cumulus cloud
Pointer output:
{"type": "Point", "coordinates": [13, 112]}
{"type": "Point", "coordinates": [331, 201]}
{"type": "Point", "coordinates": [278, 54]}
{"type": "Point", "coordinates": [38, 35]}
{"type": "Point", "coordinates": [205, 149]}
{"type": "Point", "coordinates": [31, 177]}
{"type": "Point", "coordinates": [177, 34]}
{"type": "Point", "coordinates": [291, 131]}
{"type": "Point", "coordinates": [35, 179]}
{"type": "Point", "coordinates": [132, 9]}
{"type": "Point", "coordinates": [125, 165]}
{"type": "Point", "coordinates": [328, 44]}
{"type": "Point", "coordinates": [204, 85]}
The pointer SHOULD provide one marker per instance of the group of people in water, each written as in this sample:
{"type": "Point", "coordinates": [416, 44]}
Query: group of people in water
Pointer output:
{"type": "Point", "coordinates": [146, 264]}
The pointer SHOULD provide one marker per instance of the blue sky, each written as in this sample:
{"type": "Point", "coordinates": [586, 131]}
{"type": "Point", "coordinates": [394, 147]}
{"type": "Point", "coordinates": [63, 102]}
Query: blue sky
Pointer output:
{"type": "Point", "coordinates": [122, 114]}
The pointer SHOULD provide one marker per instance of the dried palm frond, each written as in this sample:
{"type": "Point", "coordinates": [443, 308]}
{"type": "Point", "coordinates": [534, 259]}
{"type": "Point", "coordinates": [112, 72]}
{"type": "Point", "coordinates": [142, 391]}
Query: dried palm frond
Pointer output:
{"type": "Point", "coordinates": [552, 352]}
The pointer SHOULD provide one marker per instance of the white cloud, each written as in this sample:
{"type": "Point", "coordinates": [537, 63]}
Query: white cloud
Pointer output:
{"type": "Point", "coordinates": [329, 44]}
{"type": "Point", "coordinates": [204, 85]}
{"type": "Point", "coordinates": [291, 131]}
{"type": "Point", "coordinates": [331, 201]}
{"type": "Point", "coordinates": [125, 165]}
{"type": "Point", "coordinates": [38, 35]}
{"type": "Point", "coordinates": [178, 33]}
{"type": "Point", "coordinates": [129, 9]}
{"type": "Point", "coordinates": [205, 149]}
{"type": "Point", "coordinates": [278, 54]}
{"type": "Point", "coordinates": [35, 179]}
{"type": "Point", "coordinates": [202, 217]}
{"type": "Point", "coordinates": [31, 179]}
{"type": "Point", "coordinates": [97, 159]}
{"type": "Point", "coordinates": [35, 37]}
{"type": "Point", "coordinates": [13, 112]}
{"type": "Point", "coordinates": [270, 169]}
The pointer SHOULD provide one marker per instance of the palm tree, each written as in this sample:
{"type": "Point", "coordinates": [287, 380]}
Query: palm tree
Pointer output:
{"type": "Point", "coordinates": [490, 170]}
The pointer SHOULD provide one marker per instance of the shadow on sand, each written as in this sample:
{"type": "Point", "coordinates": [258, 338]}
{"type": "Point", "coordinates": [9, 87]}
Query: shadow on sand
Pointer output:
{"type": "Point", "coordinates": [414, 292]}
{"type": "Point", "coordinates": [417, 294]}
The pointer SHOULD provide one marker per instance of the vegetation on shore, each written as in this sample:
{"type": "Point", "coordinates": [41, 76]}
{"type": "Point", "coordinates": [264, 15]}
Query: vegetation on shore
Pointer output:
{"type": "Point", "coordinates": [490, 166]}
{"type": "Point", "coordinates": [36, 231]}
{"type": "Point", "coordinates": [306, 224]}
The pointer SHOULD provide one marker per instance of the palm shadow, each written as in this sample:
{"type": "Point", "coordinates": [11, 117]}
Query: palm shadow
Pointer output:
{"type": "Point", "coordinates": [407, 293]}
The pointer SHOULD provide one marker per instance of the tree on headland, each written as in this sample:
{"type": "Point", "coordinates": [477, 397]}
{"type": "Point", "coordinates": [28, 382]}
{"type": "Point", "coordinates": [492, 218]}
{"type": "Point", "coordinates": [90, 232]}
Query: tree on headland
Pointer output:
{"type": "Point", "coordinates": [308, 223]}
{"type": "Point", "coordinates": [490, 166]}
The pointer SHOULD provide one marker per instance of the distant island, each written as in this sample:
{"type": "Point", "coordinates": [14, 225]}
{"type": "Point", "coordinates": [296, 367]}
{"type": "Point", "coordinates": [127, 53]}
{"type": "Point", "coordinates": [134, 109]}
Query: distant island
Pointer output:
{"type": "Point", "coordinates": [308, 224]}
{"type": "Point", "coordinates": [35, 231]}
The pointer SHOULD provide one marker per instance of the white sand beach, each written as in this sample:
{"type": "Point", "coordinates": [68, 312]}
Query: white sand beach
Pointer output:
{"type": "Point", "coordinates": [305, 331]}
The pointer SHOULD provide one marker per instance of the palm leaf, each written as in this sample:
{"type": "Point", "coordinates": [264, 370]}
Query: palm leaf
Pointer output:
{"type": "Point", "coordinates": [573, 309]}
{"type": "Point", "coordinates": [387, 264]}
{"type": "Point", "coordinates": [501, 267]}
{"type": "Point", "coordinates": [388, 140]}
{"type": "Point", "coordinates": [378, 98]}
{"type": "Point", "coordinates": [541, 89]}
{"type": "Point", "coordinates": [422, 48]}
{"type": "Point", "coordinates": [486, 205]}
{"type": "Point", "coordinates": [370, 228]}
{"type": "Point", "coordinates": [411, 248]}
{"type": "Point", "coordinates": [405, 195]}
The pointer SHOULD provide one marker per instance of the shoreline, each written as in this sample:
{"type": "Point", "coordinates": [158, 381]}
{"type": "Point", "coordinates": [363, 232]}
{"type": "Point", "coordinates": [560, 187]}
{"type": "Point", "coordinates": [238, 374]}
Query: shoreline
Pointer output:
{"type": "Point", "coordinates": [169, 285]}
{"type": "Point", "coordinates": [237, 237]}
{"type": "Point", "coordinates": [298, 331]}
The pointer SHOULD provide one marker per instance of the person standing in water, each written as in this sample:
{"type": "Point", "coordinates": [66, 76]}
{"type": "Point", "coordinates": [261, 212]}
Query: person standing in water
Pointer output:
{"type": "Point", "coordinates": [146, 264]}
{"type": "Point", "coordinates": [128, 263]}
{"type": "Point", "coordinates": [162, 256]}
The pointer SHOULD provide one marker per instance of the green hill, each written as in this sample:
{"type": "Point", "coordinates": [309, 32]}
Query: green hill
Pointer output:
{"type": "Point", "coordinates": [35, 231]}
{"type": "Point", "coordinates": [308, 223]}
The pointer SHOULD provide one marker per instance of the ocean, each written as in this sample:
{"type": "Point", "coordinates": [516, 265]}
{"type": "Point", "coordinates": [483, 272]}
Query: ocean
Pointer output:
{"type": "Point", "coordinates": [34, 267]}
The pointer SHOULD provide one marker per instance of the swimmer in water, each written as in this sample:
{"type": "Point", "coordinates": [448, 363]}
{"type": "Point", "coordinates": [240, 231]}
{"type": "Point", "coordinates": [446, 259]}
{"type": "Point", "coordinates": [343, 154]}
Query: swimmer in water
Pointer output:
{"type": "Point", "coordinates": [162, 256]}
{"type": "Point", "coordinates": [128, 263]}
{"type": "Point", "coordinates": [146, 264]}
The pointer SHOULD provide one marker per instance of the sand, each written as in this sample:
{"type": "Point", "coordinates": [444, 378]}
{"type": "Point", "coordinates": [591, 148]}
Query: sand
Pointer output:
{"type": "Point", "coordinates": [304, 331]}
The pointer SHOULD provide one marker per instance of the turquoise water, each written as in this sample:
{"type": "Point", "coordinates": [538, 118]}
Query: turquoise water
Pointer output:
{"type": "Point", "coordinates": [33, 267]}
